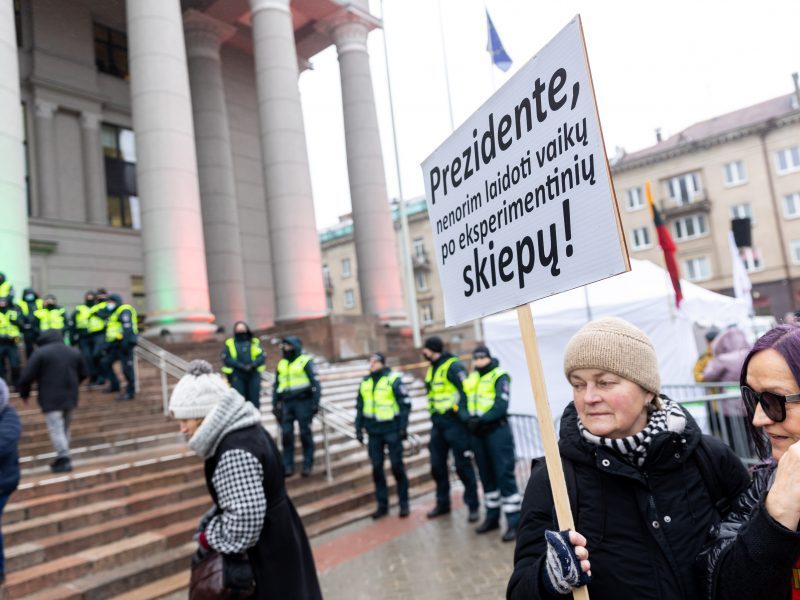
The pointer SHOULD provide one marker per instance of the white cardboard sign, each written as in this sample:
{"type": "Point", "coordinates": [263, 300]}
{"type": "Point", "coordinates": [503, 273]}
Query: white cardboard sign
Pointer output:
{"type": "Point", "coordinates": [519, 197]}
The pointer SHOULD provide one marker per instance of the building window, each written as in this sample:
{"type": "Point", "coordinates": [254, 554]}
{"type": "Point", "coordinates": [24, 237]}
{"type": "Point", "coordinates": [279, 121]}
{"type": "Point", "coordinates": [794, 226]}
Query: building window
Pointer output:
{"type": "Point", "coordinates": [788, 160]}
{"type": "Point", "coordinates": [791, 205]}
{"type": "Point", "coordinates": [427, 314]}
{"type": "Point", "coordinates": [640, 238]}
{"type": "Point", "coordinates": [347, 269]}
{"type": "Point", "coordinates": [689, 228]}
{"type": "Point", "coordinates": [684, 188]}
{"type": "Point", "coordinates": [419, 247]}
{"type": "Point", "coordinates": [634, 198]}
{"type": "Point", "coordinates": [742, 211]}
{"type": "Point", "coordinates": [349, 299]}
{"type": "Point", "coordinates": [122, 197]}
{"type": "Point", "coordinates": [697, 269]}
{"type": "Point", "coordinates": [111, 51]}
{"type": "Point", "coordinates": [795, 244]}
{"type": "Point", "coordinates": [734, 174]}
{"type": "Point", "coordinates": [422, 281]}
{"type": "Point", "coordinates": [751, 258]}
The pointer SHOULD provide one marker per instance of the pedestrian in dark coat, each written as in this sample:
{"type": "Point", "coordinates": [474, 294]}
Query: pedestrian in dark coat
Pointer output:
{"type": "Point", "coordinates": [251, 511]}
{"type": "Point", "coordinates": [643, 506]}
{"type": "Point", "coordinates": [756, 552]}
{"type": "Point", "coordinates": [57, 370]}
{"type": "Point", "coordinates": [10, 430]}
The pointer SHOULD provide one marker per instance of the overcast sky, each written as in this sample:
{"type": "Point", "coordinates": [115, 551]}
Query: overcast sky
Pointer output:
{"type": "Point", "coordinates": [654, 64]}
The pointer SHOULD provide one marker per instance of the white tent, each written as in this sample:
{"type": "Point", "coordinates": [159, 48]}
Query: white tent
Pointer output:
{"type": "Point", "coordinates": [644, 296]}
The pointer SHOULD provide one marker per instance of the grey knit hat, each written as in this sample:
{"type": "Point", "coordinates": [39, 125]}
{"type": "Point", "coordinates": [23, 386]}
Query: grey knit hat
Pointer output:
{"type": "Point", "coordinates": [616, 346]}
{"type": "Point", "coordinates": [197, 392]}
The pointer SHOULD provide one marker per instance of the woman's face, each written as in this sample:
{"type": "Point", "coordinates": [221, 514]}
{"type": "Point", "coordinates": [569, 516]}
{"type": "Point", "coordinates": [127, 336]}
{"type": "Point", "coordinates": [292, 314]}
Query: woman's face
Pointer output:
{"type": "Point", "coordinates": [607, 404]}
{"type": "Point", "coordinates": [767, 371]}
{"type": "Point", "coordinates": [189, 426]}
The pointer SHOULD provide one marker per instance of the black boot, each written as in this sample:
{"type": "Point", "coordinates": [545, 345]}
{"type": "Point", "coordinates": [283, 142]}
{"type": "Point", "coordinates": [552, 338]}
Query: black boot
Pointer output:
{"type": "Point", "coordinates": [510, 535]}
{"type": "Point", "coordinates": [381, 511]}
{"type": "Point", "coordinates": [438, 511]}
{"type": "Point", "coordinates": [488, 525]}
{"type": "Point", "coordinates": [474, 515]}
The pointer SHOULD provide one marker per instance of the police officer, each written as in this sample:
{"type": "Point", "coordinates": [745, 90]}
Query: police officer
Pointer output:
{"type": "Point", "coordinates": [31, 310]}
{"type": "Point", "coordinates": [121, 336]}
{"type": "Point", "coordinates": [97, 334]}
{"type": "Point", "coordinates": [382, 408]}
{"type": "Point", "coordinates": [487, 389]}
{"type": "Point", "coordinates": [9, 337]}
{"type": "Point", "coordinates": [243, 362]}
{"type": "Point", "coordinates": [79, 332]}
{"type": "Point", "coordinates": [448, 407]}
{"type": "Point", "coordinates": [295, 397]}
{"type": "Point", "coordinates": [6, 289]}
{"type": "Point", "coordinates": [52, 315]}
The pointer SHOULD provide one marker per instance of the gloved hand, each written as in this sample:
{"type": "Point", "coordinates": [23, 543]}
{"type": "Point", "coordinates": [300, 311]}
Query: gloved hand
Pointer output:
{"type": "Point", "coordinates": [277, 410]}
{"type": "Point", "coordinates": [360, 437]}
{"type": "Point", "coordinates": [404, 435]}
{"type": "Point", "coordinates": [474, 424]}
{"type": "Point", "coordinates": [567, 566]}
{"type": "Point", "coordinates": [315, 410]}
{"type": "Point", "coordinates": [199, 555]}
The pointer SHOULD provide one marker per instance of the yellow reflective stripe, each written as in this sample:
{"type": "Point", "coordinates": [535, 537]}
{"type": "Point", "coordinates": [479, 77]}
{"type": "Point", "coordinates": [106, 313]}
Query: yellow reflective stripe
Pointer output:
{"type": "Point", "coordinates": [7, 327]}
{"type": "Point", "coordinates": [442, 395]}
{"type": "Point", "coordinates": [292, 376]}
{"type": "Point", "coordinates": [379, 400]}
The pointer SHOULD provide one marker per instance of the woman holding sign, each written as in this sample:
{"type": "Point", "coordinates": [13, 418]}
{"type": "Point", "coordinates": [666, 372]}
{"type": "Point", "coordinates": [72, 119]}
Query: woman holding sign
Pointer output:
{"type": "Point", "coordinates": [645, 484]}
{"type": "Point", "coordinates": [757, 552]}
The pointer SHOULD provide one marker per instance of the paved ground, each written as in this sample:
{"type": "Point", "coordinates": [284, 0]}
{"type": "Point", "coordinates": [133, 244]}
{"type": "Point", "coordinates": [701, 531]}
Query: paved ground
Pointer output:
{"type": "Point", "coordinates": [395, 559]}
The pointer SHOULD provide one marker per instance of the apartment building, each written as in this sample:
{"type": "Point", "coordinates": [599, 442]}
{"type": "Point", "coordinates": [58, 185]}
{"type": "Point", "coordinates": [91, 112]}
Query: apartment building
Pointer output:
{"type": "Point", "coordinates": [742, 164]}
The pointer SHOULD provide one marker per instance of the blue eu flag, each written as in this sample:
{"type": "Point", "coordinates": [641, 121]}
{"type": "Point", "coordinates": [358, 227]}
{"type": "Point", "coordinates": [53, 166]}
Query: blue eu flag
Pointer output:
{"type": "Point", "coordinates": [495, 47]}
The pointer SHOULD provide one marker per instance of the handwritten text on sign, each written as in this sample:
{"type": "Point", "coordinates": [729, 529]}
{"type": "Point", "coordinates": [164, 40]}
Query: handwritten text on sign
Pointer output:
{"type": "Point", "coordinates": [519, 196]}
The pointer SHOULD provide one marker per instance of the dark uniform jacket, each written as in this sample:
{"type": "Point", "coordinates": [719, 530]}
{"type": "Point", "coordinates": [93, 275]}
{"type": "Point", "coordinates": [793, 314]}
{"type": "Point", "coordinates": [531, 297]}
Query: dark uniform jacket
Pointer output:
{"type": "Point", "coordinates": [752, 555]}
{"type": "Point", "coordinates": [58, 369]}
{"type": "Point", "coordinates": [282, 562]}
{"type": "Point", "coordinates": [645, 526]}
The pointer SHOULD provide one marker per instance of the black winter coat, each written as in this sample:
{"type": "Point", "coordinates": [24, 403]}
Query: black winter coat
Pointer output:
{"type": "Point", "coordinates": [752, 555]}
{"type": "Point", "coordinates": [645, 526]}
{"type": "Point", "coordinates": [58, 369]}
{"type": "Point", "coordinates": [10, 431]}
{"type": "Point", "coordinates": [282, 562]}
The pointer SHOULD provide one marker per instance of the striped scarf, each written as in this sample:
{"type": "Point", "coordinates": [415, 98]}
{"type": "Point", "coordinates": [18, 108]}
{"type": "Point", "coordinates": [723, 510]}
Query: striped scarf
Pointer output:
{"type": "Point", "coordinates": [634, 447]}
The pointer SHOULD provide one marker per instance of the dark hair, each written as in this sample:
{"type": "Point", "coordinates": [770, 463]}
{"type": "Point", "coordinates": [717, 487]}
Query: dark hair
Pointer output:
{"type": "Point", "coordinates": [785, 339]}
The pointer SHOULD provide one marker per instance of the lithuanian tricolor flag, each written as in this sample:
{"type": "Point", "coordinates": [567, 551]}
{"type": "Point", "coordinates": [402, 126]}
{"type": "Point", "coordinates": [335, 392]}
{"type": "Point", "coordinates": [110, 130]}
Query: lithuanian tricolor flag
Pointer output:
{"type": "Point", "coordinates": [667, 245]}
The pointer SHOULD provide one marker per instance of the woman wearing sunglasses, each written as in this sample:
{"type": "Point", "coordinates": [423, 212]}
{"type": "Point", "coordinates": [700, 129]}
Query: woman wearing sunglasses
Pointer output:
{"type": "Point", "coordinates": [757, 550]}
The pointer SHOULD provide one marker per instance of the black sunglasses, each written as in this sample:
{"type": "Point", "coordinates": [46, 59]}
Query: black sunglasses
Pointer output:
{"type": "Point", "coordinates": [773, 405]}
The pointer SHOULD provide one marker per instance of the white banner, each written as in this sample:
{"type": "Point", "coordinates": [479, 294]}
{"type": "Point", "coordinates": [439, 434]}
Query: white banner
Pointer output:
{"type": "Point", "coordinates": [519, 197]}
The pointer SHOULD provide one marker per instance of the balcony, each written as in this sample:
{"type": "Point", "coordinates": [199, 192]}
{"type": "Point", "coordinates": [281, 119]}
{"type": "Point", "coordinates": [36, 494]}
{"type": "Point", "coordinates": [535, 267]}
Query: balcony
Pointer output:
{"type": "Point", "coordinates": [420, 260]}
{"type": "Point", "coordinates": [671, 209]}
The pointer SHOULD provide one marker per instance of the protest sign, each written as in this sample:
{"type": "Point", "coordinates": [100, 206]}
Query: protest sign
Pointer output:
{"type": "Point", "coordinates": [520, 197]}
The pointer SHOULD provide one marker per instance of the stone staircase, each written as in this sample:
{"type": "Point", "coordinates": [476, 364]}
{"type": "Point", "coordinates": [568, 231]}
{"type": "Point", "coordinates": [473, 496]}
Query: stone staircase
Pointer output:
{"type": "Point", "coordinates": [120, 525]}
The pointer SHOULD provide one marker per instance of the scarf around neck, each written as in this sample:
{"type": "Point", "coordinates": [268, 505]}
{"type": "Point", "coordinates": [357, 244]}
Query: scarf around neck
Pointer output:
{"type": "Point", "coordinates": [634, 447]}
{"type": "Point", "coordinates": [231, 413]}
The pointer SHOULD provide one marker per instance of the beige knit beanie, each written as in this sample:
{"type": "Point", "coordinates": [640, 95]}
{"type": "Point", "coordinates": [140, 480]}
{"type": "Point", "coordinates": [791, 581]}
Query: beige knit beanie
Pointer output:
{"type": "Point", "coordinates": [616, 346]}
{"type": "Point", "coordinates": [197, 392]}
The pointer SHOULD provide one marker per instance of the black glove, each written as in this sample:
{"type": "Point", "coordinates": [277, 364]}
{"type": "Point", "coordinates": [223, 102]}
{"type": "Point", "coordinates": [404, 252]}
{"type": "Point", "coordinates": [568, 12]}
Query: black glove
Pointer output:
{"type": "Point", "coordinates": [316, 409]}
{"type": "Point", "coordinates": [360, 437]}
{"type": "Point", "coordinates": [199, 555]}
{"type": "Point", "coordinates": [404, 435]}
{"type": "Point", "coordinates": [474, 425]}
{"type": "Point", "coordinates": [277, 410]}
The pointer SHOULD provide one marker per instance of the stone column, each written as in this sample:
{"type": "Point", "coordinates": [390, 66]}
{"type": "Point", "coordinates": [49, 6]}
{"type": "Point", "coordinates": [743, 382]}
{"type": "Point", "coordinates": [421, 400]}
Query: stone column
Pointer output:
{"type": "Point", "coordinates": [14, 245]}
{"type": "Point", "coordinates": [46, 167]}
{"type": "Point", "coordinates": [166, 170]}
{"type": "Point", "coordinates": [296, 257]}
{"type": "Point", "coordinates": [204, 36]}
{"type": "Point", "coordinates": [378, 271]}
{"type": "Point", "coordinates": [94, 172]}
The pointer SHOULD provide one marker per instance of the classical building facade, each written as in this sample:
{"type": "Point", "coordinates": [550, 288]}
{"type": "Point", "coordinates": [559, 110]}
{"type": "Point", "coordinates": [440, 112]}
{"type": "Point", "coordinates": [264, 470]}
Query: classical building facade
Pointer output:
{"type": "Point", "coordinates": [742, 164]}
{"type": "Point", "coordinates": [157, 148]}
{"type": "Point", "coordinates": [340, 274]}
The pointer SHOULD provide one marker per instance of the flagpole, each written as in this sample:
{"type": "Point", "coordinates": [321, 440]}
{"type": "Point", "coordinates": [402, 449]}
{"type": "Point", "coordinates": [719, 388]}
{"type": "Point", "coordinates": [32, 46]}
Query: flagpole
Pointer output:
{"type": "Point", "coordinates": [444, 62]}
{"type": "Point", "coordinates": [405, 240]}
